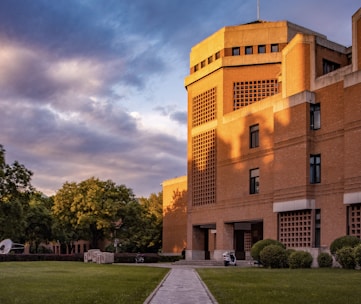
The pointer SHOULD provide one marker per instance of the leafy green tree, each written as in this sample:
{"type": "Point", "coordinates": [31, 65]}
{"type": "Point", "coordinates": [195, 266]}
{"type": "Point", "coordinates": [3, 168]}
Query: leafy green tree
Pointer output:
{"type": "Point", "coordinates": [139, 231]}
{"type": "Point", "coordinates": [38, 220]}
{"type": "Point", "coordinates": [91, 208]}
{"type": "Point", "coordinates": [15, 192]}
{"type": "Point", "coordinates": [154, 219]}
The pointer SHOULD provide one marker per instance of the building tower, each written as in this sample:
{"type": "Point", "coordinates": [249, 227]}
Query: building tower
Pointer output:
{"type": "Point", "coordinates": [274, 139]}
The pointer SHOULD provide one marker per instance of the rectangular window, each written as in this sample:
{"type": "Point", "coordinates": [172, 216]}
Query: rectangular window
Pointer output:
{"type": "Point", "coordinates": [315, 168]}
{"type": "Point", "coordinates": [203, 64]}
{"type": "Point", "coordinates": [261, 49]}
{"type": "Point", "coordinates": [254, 136]}
{"type": "Point", "coordinates": [315, 116]}
{"type": "Point", "coordinates": [210, 59]}
{"type": "Point", "coordinates": [218, 55]}
{"type": "Point", "coordinates": [329, 66]}
{"type": "Point", "coordinates": [196, 68]}
{"type": "Point", "coordinates": [274, 48]}
{"type": "Point", "coordinates": [254, 181]}
{"type": "Point", "coordinates": [248, 50]}
{"type": "Point", "coordinates": [236, 51]}
{"type": "Point", "coordinates": [317, 228]}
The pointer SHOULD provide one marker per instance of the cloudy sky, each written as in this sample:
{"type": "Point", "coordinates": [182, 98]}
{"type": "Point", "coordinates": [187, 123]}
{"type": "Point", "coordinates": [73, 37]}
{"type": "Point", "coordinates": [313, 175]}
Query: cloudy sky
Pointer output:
{"type": "Point", "coordinates": [95, 87]}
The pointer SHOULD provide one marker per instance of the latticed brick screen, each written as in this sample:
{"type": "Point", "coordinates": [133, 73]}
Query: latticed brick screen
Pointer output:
{"type": "Point", "coordinates": [204, 107]}
{"type": "Point", "coordinates": [204, 168]}
{"type": "Point", "coordinates": [355, 220]}
{"type": "Point", "coordinates": [295, 228]}
{"type": "Point", "coordinates": [248, 92]}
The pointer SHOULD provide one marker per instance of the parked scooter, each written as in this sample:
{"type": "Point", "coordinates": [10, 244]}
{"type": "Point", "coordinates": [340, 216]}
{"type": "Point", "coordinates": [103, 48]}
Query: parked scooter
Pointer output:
{"type": "Point", "coordinates": [229, 258]}
{"type": "Point", "coordinates": [139, 258]}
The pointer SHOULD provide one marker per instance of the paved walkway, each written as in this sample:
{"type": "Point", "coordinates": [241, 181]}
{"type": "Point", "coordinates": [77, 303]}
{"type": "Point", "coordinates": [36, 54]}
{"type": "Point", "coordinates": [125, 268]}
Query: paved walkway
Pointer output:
{"type": "Point", "coordinates": [182, 285]}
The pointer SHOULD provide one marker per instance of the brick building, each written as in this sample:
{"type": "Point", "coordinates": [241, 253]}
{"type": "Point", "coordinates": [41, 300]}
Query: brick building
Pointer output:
{"type": "Point", "coordinates": [274, 142]}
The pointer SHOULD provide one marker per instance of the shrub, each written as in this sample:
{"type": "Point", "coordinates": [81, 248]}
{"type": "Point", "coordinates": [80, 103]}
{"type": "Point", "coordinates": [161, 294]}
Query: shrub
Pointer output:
{"type": "Point", "coordinates": [345, 257]}
{"type": "Point", "coordinates": [289, 251]}
{"type": "Point", "coordinates": [300, 259]}
{"type": "Point", "coordinates": [344, 241]}
{"type": "Point", "coordinates": [324, 259]}
{"type": "Point", "coordinates": [273, 256]}
{"type": "Point", "coordinates": [357, 254]}
{"type": "Point", "coordinates": [257, 247]}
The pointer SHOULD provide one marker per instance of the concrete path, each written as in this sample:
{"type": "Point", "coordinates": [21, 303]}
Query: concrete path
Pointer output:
{"type": "Point", "coordinates": [182, 285]}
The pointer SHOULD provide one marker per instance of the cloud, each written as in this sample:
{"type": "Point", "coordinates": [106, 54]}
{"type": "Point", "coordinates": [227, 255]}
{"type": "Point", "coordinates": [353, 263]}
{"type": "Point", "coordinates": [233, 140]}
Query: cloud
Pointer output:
{"type": "Point", "coordinates": [95, 88]}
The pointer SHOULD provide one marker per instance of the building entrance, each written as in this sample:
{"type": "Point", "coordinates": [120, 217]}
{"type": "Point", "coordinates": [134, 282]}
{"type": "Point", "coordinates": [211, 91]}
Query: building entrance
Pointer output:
{"type": "Point", "coordinates": [245, 235]}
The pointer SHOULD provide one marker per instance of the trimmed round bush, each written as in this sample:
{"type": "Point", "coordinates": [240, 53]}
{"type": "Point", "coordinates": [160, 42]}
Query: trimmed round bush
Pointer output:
{"type": "Point", "coordinates": [345, 256]}
{"type": "Point", "coordinates": [257, 247]}
{"type": "Point", "coordinates": [289, 251]}
{"type": "Point", "coordinates": [273, 256]}
{"type": "Point", "coordinates": [300, 259]}
{"type": "Point", "coordinates": [357, 254]}
{"type": "Point", "coordinates": [344, 241]}
{"type": "Point", "coordinates": [324, 260]}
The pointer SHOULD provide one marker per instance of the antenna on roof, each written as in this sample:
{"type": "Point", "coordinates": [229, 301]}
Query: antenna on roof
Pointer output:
{"type": "Point", "coordinates": [258, 9]}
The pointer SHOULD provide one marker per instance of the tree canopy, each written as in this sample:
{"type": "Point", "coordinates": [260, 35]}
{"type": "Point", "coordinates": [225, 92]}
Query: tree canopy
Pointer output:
{"type": "Point", "coordinates": [91, 208]}
{"type": "Point", "coordinates": [15, 192]}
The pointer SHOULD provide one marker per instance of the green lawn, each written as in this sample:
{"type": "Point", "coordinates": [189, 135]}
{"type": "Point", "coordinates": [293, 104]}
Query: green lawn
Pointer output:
{"type": "Point", "coordinates": [278, 286]}
{"type": "Point", "coordinates": [74, 282]}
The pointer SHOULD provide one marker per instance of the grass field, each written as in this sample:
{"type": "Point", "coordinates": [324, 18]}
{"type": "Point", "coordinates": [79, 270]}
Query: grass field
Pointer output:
{"type": "Point", "coordinates": [74, 282]}
{"type": "Point", "coordinates": [283, 286]}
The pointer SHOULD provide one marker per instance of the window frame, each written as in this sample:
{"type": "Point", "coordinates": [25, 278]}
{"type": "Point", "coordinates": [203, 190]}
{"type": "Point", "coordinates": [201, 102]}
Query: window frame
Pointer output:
{"type": "Point", "coordinates": [315, 168]}
{"type": "Point", "coordinates": [254, 181]}
{"type": "Point", "coordinates": [248, 50]}
{"type": "Point", "coordinates": [315, 116]}
{"type": "Point", "coordinates": [236, 51]}
{"type": "Point", "coordinates": [275, 48]}
{"type": "Point", "coordinates": [261, 49]}
{"type": "Point", "coordinates": [254, 136]}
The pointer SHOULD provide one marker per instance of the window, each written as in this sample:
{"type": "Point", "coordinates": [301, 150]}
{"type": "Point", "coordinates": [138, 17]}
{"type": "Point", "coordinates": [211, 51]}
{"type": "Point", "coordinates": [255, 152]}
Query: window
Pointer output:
{"type": "Point", "coordinates": [236, 51]}
{"type": "Point", "coordinates": [248, 50]}
{"type": "Point", "coordinates": [315, 116]}
{"type": "Point", "coordinates": [329, 66]}
{"type": "Point", "coordinates": [261, 49]}
{"type": "Point", "coordinates": [315, 169]}
{"type": "Point", "coordinates": [254, 136]}
{"type": "Point", "coordinates": [210, 59]}
{"type": "Point", "coordinates": [218, 55]}
{"type": "Point", "coordinates": [203, 64]}
{"type": "Point", "coordinates": [354, 220]}
{"type": "Point", "coordinates": [317, 228]}
{"type": "Point", "coordinates": [274, 48]}
{"type": "Point", "coordinates": [248, 92]}
{"type": "Point", "coordinates": [196, 68]}
{"type": "Point", "coordinates": [254, 181]}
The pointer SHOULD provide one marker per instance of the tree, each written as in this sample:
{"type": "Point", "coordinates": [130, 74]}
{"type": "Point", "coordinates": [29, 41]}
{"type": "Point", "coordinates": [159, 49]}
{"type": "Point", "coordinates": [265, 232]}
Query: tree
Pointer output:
{"type": "Point", "coordinates": [38, 227]}
{"type": "Point", "coordinates": [15, 192]}
{"type": "Point", "coordinates": [91, 207]}
{"type": "Point", "coordinates": [154, 217]}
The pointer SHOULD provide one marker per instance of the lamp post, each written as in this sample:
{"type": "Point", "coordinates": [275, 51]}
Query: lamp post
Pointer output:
{"type": "Point", "coordinates": [117, 225]}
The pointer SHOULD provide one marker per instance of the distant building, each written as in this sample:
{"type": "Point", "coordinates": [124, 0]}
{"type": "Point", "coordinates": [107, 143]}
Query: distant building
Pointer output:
{"type": "Point", "coordinates": [274, 141]}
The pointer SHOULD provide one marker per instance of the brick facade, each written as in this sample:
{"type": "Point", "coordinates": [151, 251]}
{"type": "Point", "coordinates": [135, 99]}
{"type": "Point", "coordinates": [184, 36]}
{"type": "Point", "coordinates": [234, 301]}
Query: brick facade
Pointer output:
{"type": "Point", "coordinates": [274, 141]}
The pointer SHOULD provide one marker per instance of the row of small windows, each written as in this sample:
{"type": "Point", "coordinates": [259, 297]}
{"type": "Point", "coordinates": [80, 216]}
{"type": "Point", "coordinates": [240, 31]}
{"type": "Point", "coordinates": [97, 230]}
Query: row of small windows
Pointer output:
{"type": "Point", "coordinates": [249, 50]}
{"type": "Point", "coordinates": [209, 60]}
{"type": "Point", "coordinates": [236, 51]}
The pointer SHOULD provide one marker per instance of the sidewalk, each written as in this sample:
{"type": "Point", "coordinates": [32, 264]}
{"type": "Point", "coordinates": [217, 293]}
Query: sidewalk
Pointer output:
{"type": "Point", "coordinates": [182, 285]}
